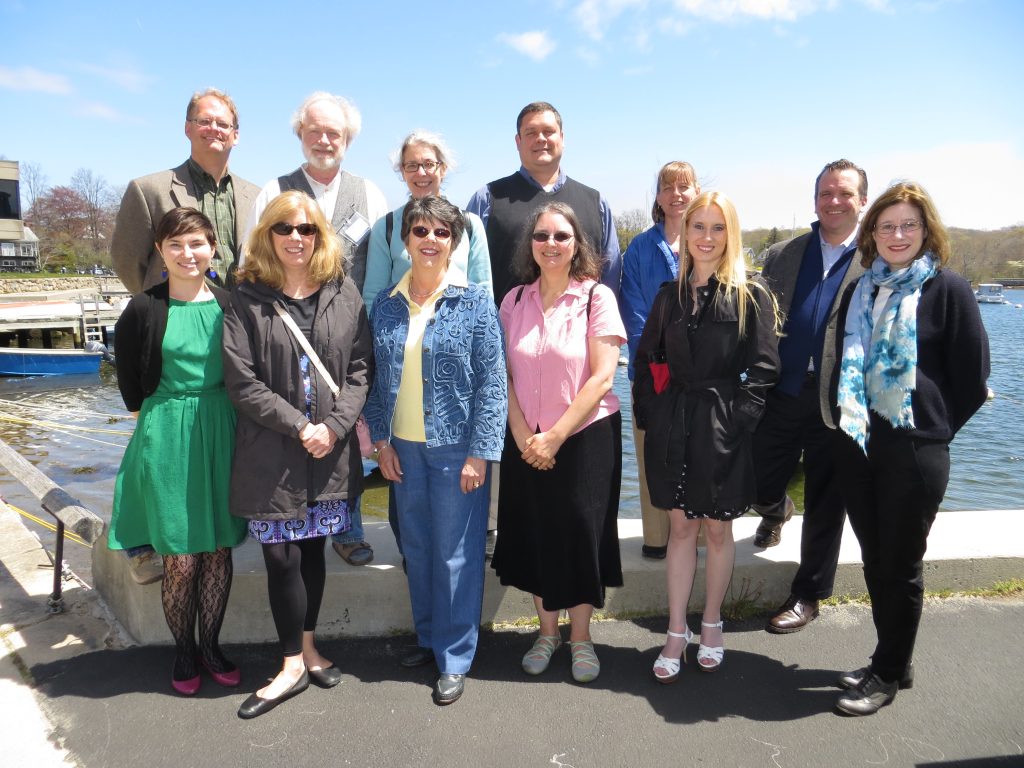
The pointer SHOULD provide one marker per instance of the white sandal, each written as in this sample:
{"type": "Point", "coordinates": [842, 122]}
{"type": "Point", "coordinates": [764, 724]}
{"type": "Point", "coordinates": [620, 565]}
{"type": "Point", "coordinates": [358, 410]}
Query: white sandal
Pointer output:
{"type": "Point", "coordinates": [714, 654]}
{"type": "Point", "coordinates": [668, 665]}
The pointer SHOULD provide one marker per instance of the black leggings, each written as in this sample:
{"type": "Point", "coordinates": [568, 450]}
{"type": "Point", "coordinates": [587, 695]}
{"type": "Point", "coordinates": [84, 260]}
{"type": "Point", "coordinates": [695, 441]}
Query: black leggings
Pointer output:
{"type": "Point", "coordinates": [296, 573]}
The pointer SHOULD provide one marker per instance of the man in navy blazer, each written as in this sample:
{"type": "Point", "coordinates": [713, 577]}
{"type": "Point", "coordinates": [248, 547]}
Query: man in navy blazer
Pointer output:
{"type": "Point", "coordinates": [202, 182]}
{"type": "Point", "coordinates": [808, 275]}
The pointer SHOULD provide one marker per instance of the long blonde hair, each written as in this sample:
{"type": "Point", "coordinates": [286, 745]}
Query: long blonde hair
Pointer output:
{"type": "Point", "coordinates": [731, 272]}
{"type": "Point", "coordinates": [261, 262]}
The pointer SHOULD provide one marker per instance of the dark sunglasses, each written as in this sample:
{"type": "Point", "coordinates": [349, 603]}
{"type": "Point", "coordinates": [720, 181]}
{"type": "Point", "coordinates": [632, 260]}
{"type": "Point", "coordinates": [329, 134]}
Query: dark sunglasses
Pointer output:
{"type": "Point", "coordinates": [558, 237]}
{"type": "Point", "coordinates": [439, 232]}
{"type": "Point", "coordinates": [284, 230]}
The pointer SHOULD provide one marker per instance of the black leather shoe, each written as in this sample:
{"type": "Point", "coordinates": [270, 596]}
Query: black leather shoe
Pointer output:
{"type": "Point", "coordinates": [654, 553]}
{"type": "Point", "coordinates": [851, 680]}
{"type": "Point", "coordinates": [254, 706]}
{"type": "Point", "coordinates": [326, 678]}
{"type": "Point", "coordinates": [867, 698]}
{"type": "Point", "coordinates": [448, 688]}
{"type": "Point", "coordinates": [792, 616]}
{"type": "Point", "coordinates": [769, 533]}
{"type": "Point", "coordinates": [417, 658]}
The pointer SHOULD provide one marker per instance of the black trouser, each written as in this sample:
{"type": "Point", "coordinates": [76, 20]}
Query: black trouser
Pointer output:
{"type": "Point", "coordinates": [892, 496]}
{"type": "Point", "coordinates": [791, 427]}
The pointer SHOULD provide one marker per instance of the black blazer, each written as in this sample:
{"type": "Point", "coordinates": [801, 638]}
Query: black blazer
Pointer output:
{"type": "Point", "coordinates": [138, 341]}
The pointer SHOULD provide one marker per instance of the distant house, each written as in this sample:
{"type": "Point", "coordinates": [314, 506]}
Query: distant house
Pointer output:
{"type": "Point", "coordinates": [19, 247]}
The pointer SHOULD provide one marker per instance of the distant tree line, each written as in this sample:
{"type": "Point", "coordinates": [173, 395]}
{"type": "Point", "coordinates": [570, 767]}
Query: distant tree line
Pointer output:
{"type": "Point", "coordinates": [73, 222]}
{"type": "Point", "coordinates": [979, 255]}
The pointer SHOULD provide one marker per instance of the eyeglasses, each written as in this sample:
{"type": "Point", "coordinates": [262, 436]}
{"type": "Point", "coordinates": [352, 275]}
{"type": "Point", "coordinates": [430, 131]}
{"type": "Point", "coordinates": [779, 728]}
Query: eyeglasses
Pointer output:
{"type": "Point", "coordinates": [439, 232]}
{"type": "Point", "coordinates": [907, 227]}
{"type": "Point", "coordinates": [209, 122]}
{"type": "Point", "coordinates": [427, 165]}
{"type": "Point", "coordinates": [284, 229]}
{"type": "Point", "coordinates": [558, 237]}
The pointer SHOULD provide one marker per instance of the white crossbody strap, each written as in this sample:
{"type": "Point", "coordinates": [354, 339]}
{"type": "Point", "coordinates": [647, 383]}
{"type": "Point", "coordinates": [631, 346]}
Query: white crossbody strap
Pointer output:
{"type": "Point", "coordinates": [307, 348]}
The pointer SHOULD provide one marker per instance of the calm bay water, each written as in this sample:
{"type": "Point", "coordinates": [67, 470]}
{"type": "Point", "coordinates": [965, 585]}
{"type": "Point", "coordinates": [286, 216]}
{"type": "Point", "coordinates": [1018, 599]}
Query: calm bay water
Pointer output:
{"type": "Point", "coordinates": [75, 429]}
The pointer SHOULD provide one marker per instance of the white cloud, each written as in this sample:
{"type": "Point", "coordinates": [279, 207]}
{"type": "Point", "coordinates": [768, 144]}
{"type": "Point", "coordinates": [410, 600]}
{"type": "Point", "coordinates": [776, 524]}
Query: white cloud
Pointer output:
{"type": "Point", "coordinates": [103, 111]}
{"type": "Point", "coordinates": [128, 78]}
{"type": "Point", "coordinates": [728, 10]}
{"type": "Point", "coordinates": [595, 16]}
{"type": "Point", "coordinates": [537, 45]}
{"type": "Point", "coordinates": [32, 79]}
{"type": "Point", "coordinates": [974, 185]}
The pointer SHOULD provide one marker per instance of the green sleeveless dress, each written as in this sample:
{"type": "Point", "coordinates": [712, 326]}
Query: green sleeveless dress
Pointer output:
{"type": "Point", "coordinates": [172, 488]}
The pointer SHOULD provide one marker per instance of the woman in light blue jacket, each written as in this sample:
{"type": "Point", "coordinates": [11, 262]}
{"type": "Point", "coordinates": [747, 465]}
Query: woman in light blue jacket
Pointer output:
{"type": "Point", "coordinates": [651, 259]}
{"type": "Point", "coordinates": [422, 161]}
{"type": "Point", "coordinates": [437, 412]}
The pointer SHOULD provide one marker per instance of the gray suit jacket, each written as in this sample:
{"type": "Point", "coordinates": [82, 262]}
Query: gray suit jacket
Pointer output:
{"type": "Point", "coordinates": [781, 267]}
{"type": "Point", "coordinates": [145, 202]}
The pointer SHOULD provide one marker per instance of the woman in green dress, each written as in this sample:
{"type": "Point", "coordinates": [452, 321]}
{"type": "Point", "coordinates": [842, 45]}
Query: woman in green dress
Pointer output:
{"type": "Point", "coordinates": [172, 488]}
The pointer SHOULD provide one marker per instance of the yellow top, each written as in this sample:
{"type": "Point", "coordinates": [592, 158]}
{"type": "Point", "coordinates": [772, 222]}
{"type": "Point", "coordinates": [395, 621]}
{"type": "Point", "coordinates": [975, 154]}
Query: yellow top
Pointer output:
{"type": "Point", "coordinates": [408, 419]}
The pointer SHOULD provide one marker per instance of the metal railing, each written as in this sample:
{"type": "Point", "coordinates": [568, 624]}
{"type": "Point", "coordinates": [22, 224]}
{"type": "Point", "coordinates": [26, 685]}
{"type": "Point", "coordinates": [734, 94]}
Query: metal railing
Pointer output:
{"type": "Point", "coordinates": [63, 507]}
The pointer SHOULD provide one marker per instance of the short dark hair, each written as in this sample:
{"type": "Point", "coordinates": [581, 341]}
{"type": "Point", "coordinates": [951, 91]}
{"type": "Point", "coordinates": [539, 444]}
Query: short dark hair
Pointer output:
{"type": "Point", "coordinates": [434, 208]}
{"type": "Point", "coordinates": [182, 221]}
{"type": "Point", "coordinates": [586, 263]}
{"type": "Point", "coordinates": [533, 108]}
{"type": "Point", "coordinates": [845, 165]}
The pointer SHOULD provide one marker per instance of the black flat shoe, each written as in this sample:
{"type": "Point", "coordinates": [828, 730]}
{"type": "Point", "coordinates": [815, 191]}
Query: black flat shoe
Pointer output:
{"type": "Point", "coordinates": [448, 688]}
{"type": "Point", "coordinates": [254, 706]}
{"type": "Point", "coordinates": [325, 678]}
{"type": "Point", "coordinates": [851, 680]}
{"type": "Point", "coordinates": [417, 658]}
{"type": "Point", "coordinates": [867, 698]}
{"type": "Point", "coordinates": [654, 553]}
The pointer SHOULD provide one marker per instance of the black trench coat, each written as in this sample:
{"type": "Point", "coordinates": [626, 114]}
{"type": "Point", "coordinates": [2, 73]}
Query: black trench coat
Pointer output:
{"type": "Point", "coordinates": [702, 424]}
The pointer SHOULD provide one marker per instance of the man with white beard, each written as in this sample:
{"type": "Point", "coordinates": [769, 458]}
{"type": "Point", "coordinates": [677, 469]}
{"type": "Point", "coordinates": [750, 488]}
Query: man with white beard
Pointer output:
{"type": "Point", "coordinates": [326, 124]}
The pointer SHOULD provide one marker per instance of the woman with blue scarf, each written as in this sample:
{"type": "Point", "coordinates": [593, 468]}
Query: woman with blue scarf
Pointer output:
{"type": "Point", "coordinates": [913, 370]}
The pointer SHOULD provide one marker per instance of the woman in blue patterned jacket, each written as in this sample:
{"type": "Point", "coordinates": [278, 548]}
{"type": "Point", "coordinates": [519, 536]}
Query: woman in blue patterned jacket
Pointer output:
{"type": "Point", "coordinates": [437, 413]}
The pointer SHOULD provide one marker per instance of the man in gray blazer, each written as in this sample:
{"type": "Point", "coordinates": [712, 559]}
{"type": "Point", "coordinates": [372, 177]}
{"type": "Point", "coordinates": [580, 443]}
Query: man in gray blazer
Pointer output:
{"type": "Point", "coordinates": [808, 275]}
{"type": "Point", "coordinates": [202, 182]}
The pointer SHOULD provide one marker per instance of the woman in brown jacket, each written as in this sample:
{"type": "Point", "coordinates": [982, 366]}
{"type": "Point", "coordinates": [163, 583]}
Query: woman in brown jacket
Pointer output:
{"type": "Point", "coordinates": [297, 466]}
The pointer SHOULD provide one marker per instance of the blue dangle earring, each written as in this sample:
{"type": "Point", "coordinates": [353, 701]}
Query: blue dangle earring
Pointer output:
{"type": "Point", "coordinates": [211, 273]}
{"type": "Point", "coordinates": [163, 272]}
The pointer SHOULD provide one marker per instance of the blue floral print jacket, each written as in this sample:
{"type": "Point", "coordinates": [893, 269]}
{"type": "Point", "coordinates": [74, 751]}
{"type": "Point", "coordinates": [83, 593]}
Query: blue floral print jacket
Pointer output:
{"type": "Point", "coordinates": [465, 389]}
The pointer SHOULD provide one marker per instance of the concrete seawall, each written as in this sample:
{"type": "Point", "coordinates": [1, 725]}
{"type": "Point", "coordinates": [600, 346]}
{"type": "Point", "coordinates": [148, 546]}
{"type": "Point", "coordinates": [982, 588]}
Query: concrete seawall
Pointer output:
{"type": "Point", "coordinates": [966, 550]}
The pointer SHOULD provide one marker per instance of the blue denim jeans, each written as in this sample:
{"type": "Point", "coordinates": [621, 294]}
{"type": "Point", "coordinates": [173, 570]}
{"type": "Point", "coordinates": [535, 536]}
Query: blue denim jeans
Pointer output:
{"type": "Point", "coordinates": [443, 535]}
{"type": "Point", "coordinates": [353, 535]}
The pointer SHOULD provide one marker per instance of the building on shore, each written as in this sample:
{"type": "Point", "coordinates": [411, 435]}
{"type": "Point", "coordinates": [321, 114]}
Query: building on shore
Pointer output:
{"type": "Point", "coordinates": [19, 247]}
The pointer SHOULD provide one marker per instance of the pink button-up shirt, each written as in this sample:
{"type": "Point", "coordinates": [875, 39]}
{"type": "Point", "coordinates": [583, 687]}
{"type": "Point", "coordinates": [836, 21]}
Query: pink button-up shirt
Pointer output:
{"type": "Point", "coordinates": [549, 357]}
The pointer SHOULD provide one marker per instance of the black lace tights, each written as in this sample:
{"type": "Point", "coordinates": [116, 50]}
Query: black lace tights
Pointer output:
{"type": "Point", "coordinates": [197, 586]}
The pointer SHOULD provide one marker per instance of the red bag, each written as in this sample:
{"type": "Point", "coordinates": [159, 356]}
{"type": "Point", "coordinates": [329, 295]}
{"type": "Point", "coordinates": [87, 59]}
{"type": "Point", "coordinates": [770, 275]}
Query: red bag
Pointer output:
{"type": "Point", "coordinates": [660, 375]}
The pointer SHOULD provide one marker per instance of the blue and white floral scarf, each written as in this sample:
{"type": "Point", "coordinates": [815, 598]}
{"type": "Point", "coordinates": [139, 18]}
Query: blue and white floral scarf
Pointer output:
{"type": "Point", "coordinates": [884, 377]}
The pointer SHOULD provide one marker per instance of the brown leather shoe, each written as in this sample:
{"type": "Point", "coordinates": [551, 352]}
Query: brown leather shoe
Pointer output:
{"type": "Point", "coordinates": [792, 616]}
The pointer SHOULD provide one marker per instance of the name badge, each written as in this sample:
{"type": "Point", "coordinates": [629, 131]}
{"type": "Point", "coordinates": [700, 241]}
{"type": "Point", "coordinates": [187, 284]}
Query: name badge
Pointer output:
{"type": "Point", "coordinates": [355, 229]}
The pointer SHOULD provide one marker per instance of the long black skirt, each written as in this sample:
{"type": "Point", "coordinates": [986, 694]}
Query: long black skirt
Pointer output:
{"type": "Point", "coordinates": [557, 531]}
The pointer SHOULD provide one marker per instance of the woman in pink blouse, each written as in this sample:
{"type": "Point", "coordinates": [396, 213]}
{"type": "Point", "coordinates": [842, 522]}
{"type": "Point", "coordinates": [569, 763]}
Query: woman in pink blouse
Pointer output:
{"type": "Point", "coordinates": [562, 461]}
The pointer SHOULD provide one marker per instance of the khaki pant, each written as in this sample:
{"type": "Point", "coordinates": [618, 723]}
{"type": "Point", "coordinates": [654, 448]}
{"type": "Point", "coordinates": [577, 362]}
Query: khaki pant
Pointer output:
{"type": "Point", "coordinates": [655, 521]}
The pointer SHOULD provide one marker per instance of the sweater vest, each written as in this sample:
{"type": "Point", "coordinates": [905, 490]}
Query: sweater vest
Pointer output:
{"type": "Point", "coordinates": [804, 331]}
{"type": "Point", "coordinates": [351, 199]}
{"type": "Point", "coordinates": [513, 200]}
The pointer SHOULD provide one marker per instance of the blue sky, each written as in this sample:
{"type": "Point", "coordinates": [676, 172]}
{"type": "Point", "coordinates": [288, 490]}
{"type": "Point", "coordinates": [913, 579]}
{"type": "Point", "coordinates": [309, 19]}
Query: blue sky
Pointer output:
{"type": "Point", "coordinates": [757, 94]}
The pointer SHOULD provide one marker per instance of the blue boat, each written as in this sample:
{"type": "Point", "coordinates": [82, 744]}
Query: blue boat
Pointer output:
{"type": "Point", "coordinates": [16, 361]}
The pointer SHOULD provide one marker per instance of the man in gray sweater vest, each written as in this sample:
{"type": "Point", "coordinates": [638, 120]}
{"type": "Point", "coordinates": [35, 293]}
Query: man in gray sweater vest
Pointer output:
{"type": "Point", "coordinates": [326, 125]}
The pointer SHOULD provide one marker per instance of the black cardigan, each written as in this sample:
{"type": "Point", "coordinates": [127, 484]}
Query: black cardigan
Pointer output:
{"type": "Point", "coordinates": [138, 341]}
{"type": "Point", "coordinates": [952, 361]}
